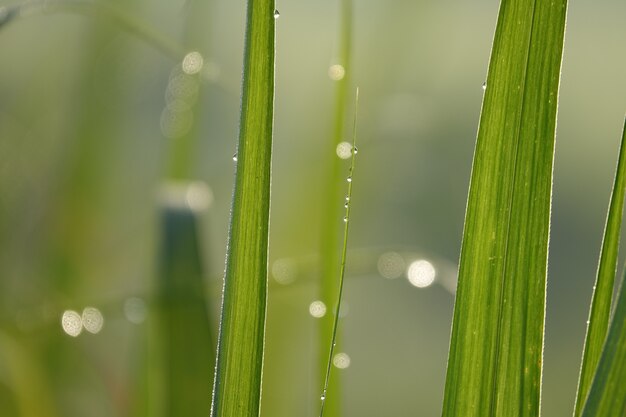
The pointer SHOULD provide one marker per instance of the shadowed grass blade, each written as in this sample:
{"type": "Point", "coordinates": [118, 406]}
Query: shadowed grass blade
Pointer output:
{"type": "Point", "coordinates": [237, 390]}
{"type": "Point", "coordinates": [188, 342]}
{"type": "Point", "coordinates": [607, 395]}
{"type": "Point", "coordinates": [605, 282]}
{"type": "Point", "coordinates": [495, 359]}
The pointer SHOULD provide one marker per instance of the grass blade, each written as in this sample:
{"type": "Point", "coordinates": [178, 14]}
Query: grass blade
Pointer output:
{"type": "Point", "coordinates": [605, 282]}
{"type": "Point", "coordinates": [495, 359]}
{"type": "Point", "coordinates": [237, 388]}
{"type": "Point", "coordinates": [330, 238]}
{"type": "Point", "coordinates": [607, 395]}
{"type": "Point", "coordinates": [342, 271]}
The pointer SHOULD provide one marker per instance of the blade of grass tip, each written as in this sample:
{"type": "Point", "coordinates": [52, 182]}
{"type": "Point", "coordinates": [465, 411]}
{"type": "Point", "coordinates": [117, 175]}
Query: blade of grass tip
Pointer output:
{"type": "Point", "coordinates": [495, 358]}
{"type": "Point", "coordinates": [186, 335]}
{"type": "Point", "coordinates": [330, 237]}
{"type": "Point", "coordinates": [607, 395]}
{"type": "Point", "coordinates": [237, 387]}
{"type": "Point", "coordinates": [342, 270]}
{"type": "Point", "coordinates": [605, 282]}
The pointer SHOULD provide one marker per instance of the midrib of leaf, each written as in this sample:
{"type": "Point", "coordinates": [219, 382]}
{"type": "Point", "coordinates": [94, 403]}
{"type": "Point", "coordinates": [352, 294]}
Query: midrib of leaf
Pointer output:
{"type": "Point", "coordinates": [237, 388]}
{"type": "Point", "coordinates": [497, 337]}
{"type": "Point", "coordinates": [605, 282]}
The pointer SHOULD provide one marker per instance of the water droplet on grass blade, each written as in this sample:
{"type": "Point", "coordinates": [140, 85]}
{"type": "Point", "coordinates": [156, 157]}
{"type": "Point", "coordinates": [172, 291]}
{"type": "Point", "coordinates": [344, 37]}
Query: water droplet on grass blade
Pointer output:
{"type": "Point", "coordinates": [485, 85]}
{"type": "Point", "coordinates": [276, 14]}
{"type": "Point", "coordinates": [235, 157]}
{"type": "Point", "coordinates": [345, 219]}
{"type": "Point", "coordinates": [346, 205]}
{"type": "Point", "coordinates": [349, 179]}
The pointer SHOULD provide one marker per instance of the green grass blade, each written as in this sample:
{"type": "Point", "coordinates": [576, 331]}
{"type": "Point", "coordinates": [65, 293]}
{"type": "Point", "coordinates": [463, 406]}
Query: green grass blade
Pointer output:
{"type": "Point", "coordinates": [342, 270]}
{"type": "Point", "coordinates": [237, 390]}
{"type": "Point", "coordinates": [330, 238]}
{"type": "Point", "coordinates": [495, 359]}
{"type": "Point", "coordinates": [187, 339]}
{"type": "Point", "coordinates": [605, 282]}
{"type": "Point", "coordinates": [607, 395]}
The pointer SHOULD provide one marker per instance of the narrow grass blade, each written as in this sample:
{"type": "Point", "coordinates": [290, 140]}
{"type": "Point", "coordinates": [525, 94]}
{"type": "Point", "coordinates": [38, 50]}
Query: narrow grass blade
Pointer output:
{"type": "Point", "coordinates": [237, 390]}
{"type": "Point", "coordinates": [607, 395]}
{"type": "Point", "coordinates": [605, 282]}
{"type": "Point", "coordinates": [330, 238]}
{"type": "Point", "coordinates": [342, 270]}
{"type": "Point", "coordinates": [187, 339]}
{"type": "Point", "coordinates": [495, 359]}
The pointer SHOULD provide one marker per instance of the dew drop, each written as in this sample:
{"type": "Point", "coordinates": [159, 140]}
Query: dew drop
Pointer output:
{"type": "Point", "coordinates": [323, 397]}
{"type": "Point", "coordinates": [345, 219]}
{"type": "Point", "coordinates": [235, 157]}
{"type": "Point", "coordinates": [276, 14]}
{"type": "Point", "coordinates": [347, 198]}
{"type": "Point", "coordinates": [345, 205]}
{"type": "Point", "coordinates": [355, 150]}
{"type": "Point", "coordinates": [349, 179]}
{"type": "Point", "coordinates": [485, 85]}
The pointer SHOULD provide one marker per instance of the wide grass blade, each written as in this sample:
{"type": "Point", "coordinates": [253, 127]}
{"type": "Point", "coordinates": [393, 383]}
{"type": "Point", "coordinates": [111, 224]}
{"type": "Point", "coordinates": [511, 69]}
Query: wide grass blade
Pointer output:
{"type": "Point", "coordinates": [607, 395]}
{"type": "Point", "coordinates": [605, 282]}
{"type": "Point", "coordinates": [237, 390]}
{"type": "Point", "coordinates": [495, 359]}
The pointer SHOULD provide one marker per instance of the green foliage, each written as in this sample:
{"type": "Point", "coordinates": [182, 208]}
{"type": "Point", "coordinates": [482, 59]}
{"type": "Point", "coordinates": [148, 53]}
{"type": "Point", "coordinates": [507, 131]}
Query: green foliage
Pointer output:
{"type": "Point", "coordinates": [607, 395]}
{"type": "Point", "coordinates": [237, 390]}
{"type": "Point", "coordinates": [495, 359]}
{"type": "Point", "coordinates": [605, 282]}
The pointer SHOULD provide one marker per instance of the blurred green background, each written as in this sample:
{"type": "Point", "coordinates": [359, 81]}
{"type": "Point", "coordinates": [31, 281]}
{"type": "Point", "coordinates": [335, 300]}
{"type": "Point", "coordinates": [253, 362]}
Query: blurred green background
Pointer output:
{"type": "Point", "coordinates": [100, 130]}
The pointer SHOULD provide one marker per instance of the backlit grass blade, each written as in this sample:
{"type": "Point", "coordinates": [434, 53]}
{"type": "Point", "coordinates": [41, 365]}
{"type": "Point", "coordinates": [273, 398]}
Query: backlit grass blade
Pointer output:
{"type": "Point", "coordinates": [605, 282]}
{"type": "Point", "coordinates": [607, 395]}
{"type": "Point", "coordinates": [342, 270]}
{"type": "Point", "coordinates": [330, 238]}
{"type": "Point", "coordinates": [495, 359]}
{"type": "Point", "coordinates": [237, 390]}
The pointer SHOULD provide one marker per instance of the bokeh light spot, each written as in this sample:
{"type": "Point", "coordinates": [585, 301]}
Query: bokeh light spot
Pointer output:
{"type": "Point", "coordinates": [192, 63]}
{"type": "Point", "coordinates": [421, 273]}
{"type": "Point", "coordinates": [93, 320]}
{"type": "Point", "coordinates": [341, 360]}
{"type": "Point", "coordinates": [72, 323]}
{"type": "Point", "coordinates": [391, 265]}
{"type": "Point", "coordinates": [317, 309]}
